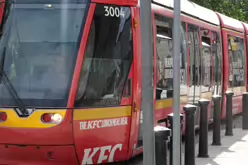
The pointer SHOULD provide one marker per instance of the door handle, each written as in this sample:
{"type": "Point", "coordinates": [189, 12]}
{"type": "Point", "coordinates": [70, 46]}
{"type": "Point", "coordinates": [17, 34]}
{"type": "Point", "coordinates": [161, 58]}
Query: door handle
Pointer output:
{"type": "Point", "coordinates": [134, 107]}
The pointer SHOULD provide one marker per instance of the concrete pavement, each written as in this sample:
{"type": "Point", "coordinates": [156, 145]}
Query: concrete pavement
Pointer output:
{"type": "Point", "coordinates": [233, 151]}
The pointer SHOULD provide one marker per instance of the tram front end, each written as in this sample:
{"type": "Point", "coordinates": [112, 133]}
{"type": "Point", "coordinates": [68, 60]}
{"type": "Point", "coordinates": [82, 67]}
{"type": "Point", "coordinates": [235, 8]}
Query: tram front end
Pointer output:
{"type": "Point", "coordinates": [62, 64]}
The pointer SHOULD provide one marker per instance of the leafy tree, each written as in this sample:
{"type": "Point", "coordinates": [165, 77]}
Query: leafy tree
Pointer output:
{"type": "Point", "coordinates": [233, 8]}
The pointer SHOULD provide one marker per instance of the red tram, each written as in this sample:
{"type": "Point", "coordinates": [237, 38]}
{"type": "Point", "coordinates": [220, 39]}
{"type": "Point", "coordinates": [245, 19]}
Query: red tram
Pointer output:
{"type": "Point", "coordinates": [70, 75]}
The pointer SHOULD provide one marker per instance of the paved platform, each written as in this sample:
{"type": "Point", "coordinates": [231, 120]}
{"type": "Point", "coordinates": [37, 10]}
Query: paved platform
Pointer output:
{"type": "Point", "coordinates": [233, 151]}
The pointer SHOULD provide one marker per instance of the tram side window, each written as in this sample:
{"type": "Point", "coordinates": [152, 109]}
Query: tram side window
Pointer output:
{"type": "Point", "coordinates": [184, 62]}
{"type": "Point", "coordinates": [164, 77]}
{"type": "Point", "coordinates": [217, 53]}
{"type": "Point", "coordinates": [195, 66]}
{"type": "Point", "coordinates": [206, 64]}
{"type": "Point", "coordinates": [107, 59]}
{"type": "Point", "coordinates": [236, 61]}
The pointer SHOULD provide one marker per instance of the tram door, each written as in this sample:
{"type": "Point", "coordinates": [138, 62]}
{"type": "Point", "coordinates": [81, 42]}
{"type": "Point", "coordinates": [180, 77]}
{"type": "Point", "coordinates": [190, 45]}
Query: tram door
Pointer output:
{"type": "Point", "coordinates": [206, 67]}
{"type": "Point", "coordinates": [217, 66]}
{"type": "Point", "coordinates": [194, 67]}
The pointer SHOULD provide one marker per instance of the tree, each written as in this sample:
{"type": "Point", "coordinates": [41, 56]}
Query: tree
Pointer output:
{"type": "Point", "coordinates": [233, 8]}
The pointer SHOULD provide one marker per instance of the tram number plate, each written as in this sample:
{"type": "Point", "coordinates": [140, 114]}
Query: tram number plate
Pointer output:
{"type": "Point", "coordinates": [113, 11]}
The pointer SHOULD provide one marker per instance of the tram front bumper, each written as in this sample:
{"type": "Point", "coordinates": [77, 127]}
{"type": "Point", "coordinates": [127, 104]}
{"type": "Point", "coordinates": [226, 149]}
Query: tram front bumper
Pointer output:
{"type": "Point", "coordinates": [37, 155]}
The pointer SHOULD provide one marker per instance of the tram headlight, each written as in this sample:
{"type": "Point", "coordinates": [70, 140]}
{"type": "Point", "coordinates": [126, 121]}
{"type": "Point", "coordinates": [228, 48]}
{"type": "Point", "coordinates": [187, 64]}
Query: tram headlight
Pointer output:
{"type": "Point", "coordinates": [50, 118]}
{"type": "Point", "coordinates": [57, 118]}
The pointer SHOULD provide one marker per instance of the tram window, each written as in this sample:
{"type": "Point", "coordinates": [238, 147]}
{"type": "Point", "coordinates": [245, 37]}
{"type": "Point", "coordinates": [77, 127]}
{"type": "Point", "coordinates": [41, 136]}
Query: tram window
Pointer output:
{"type": "Point", "coordinates": [195, 65]}
{"type": "Point", "coordinates": [40, 47]}
{"type": "Point", "coordinates": [236, 61]}
{"type": "Point", "coordinates": [108, 58]}
{"type": "Point", "coordinates": [216, 50]}
{"type": "Point", "coordinates": [206, 71]}
{"type": "Point", "coordinates": [184, 62]}
{"type": "Point", "coordinates": [164, 88]}
{"type": "Point", "coordinates": [194, 45]}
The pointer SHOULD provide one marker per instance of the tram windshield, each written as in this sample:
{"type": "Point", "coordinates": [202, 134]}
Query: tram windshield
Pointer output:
{"type": "Point", "coordinates": [38, 47]}
{"type": "Point", "coordinates": [108, 57]}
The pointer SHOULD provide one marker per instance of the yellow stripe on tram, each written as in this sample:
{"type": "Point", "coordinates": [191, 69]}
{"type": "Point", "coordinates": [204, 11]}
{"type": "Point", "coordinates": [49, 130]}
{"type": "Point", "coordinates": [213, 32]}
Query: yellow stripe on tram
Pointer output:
{"type": "Point", "coordinates": [102, 113]}
{"type": "Point", "coordinates": [160, 104]}
{"type": "Point", "coordinates": [116, 112]}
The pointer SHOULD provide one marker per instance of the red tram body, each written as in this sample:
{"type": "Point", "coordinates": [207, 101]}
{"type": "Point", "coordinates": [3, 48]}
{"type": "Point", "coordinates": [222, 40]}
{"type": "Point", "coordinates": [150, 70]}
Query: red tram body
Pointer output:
{"type": "Point", "coordinates": [71, 78]}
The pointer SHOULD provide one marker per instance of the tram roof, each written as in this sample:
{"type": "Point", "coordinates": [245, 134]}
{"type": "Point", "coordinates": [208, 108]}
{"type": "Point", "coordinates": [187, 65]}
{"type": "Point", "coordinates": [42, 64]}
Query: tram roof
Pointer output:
{"type": "Point", "coordinates": [192, 9]}
{"type": "Point", "coordinates": [231, 23]}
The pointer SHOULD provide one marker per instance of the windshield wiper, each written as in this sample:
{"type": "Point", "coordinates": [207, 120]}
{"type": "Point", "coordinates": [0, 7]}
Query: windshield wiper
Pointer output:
{"type": "Point", "coordinates": [10, 87]}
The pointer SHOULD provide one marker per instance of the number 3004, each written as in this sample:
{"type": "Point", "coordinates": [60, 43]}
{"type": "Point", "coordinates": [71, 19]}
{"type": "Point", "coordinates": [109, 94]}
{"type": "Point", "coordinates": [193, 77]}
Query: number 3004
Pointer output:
{"type": "Point", "coordinates": [113, 11]}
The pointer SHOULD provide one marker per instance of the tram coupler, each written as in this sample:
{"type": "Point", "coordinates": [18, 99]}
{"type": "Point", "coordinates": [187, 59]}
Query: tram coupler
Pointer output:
{"type": "Point", "coordinates": [217, 120]}
{"type": "Point", "coordinates": [203, 132]}
{"type": "Point", "coordinates": [245, 111]}
{"type": "Point", "coordinates": [189, 157]}
{"type": "Point", "coordinates": [229, 117]}
{"type": "Point", "coordinates": [162, 135]}
{"type": "Point", "coordinates": [170, 126]}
